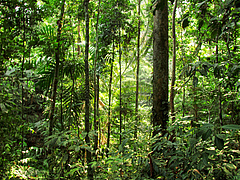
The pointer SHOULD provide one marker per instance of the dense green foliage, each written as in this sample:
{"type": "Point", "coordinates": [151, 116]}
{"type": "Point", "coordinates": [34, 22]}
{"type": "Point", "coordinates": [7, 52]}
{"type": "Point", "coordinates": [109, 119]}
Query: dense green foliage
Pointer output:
{"type": "Point", "coordinates": [201, 143]}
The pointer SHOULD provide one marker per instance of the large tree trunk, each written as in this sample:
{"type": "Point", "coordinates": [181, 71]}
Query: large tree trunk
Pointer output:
{"type": "Point", "coordinates": [137, 74]}
{"type": "Point", "coordinates": [160, 68]}
{"type": "Point", "coordinates": [87, 94]}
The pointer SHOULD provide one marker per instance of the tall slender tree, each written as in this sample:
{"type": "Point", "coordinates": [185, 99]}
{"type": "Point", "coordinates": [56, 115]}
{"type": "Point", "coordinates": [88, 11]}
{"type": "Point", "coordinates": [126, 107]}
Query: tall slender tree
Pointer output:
{"type": "Point", "coordinates": [95, 84]}
{"type": "Point", "coordinates": [87, 93]}
{"type": "Point", "coordinates": [173, 61]}
{"type": "Point", "coordinates": [109, 100]}
{"type": "Point", "coordinates": [160, 67]}
{"type": "Point", "coordinates": [120, 83]}
{"type": "Point", "coordinates": [22, 69]}
{"type": "Point", "coordinates": [219, 88]}
{"type": "Point", "coordinates": [55, 80]}
{"type": "Point", "coordinates": [137, 73]}
{"type": "Point", "coordinates": [56, 74]}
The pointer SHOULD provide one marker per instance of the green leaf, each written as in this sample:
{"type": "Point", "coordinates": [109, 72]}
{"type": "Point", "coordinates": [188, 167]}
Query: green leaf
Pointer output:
{"type": "Point", "coordinates": [3, 107]}
{"type": "Point", "coordinates": [77, 148]}
{"type": "Point", "coordinates": [221, 136]}
{"type": "Point", "coordinates": [173, 159]}
{"type": "Point", "coordinates": [211, 152]}
{"type": "Point", "coordinates": [238, 85]}
{"type": "Point", "coordinates": [231, 126]}
{"type": "Point", "coordinates": [200, 24]}
{"type": "Point", "coordinates": [200, 4]}
{"type": "Point", "coordinates": [200, 133]}
{"type": "Point", "coordinates": [206, 134]}
{"type": "Point", "coordinates": [185, 23]}
{"type": "Point", "coordinates": [236, 151]}
{"type": "Point", "coordinates": [219, 143]}
{"type": "Point", "coordinates": [214, 34]}
{"type": "Point", "coordinates": [193, 141]}
{"type": "Point", "coordinates": [65, 158]}
{"type": "Point", "coordinates": [205, 158]}
{"type": "Point", "coordinates": [230, 166]}
{"type": "Point", "coordinates": [203, 72]}
{"type": "Point", "coordinates": [227, 171]}
{"type": "Point", "coordinates": [9, 72]}
{"type": "Point", "coordinates": [195, 81]}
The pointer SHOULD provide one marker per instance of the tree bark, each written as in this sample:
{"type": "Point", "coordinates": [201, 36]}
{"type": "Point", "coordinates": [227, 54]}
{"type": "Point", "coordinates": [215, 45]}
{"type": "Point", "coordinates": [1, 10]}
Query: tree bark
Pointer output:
{"type": "Point", "coordinates": [87, 94]}
{"type": "Point", "coordinates": [160, 69]}
{"type": "Point", "coordinates": [56, 74]}
{"type": "Point", "coordinates": [95, 84]}
{"type": "Point", "coordinates": [219, 90]}
{"type": "Point", "coordinates": [120, 74]}
{"type": "Point", "coordinates": [109, 102]}
{"type": "Point", "coordinates": [173, 62]}
{"type": "Point", "coordinates": [137, 73]}
{"type": "Point", "coordinates": [55, 83]}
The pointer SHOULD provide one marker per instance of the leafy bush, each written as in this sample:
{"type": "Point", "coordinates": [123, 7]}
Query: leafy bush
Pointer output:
{"type": "Point", "coordinates": [202, 152]}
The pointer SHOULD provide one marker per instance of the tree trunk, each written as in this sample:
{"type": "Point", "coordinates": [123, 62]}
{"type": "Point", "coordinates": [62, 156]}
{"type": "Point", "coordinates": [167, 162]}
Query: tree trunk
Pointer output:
{"type": "Point", "coordinates": [120, 74]}
{"type": "Point", "coordinates": [160, 69]}
{"type": "Point", "coordinates": [173, 62]}
{"type": "Point", "coordinates": [219, 90]}
{"type": "Point", "coordinates": [55, 84]}
{"type": "Point", "coordinates": [87, 94]}
{"type": "Point", "coordinates": [98, 114]}
{"type": "Point", "coordinates": [95, 85]}
{"type": "Point", "coordinates": [22, 72]}
{"type": "Point", "coordinates": [137, 74]}
{"type": "Point", "coordinates": [56, 74]}
{"type": "Point", "coordinates": [79, 38]}
{"type": "Point", "coordinates": [184, 91]}
{"type": "Point", "coordinates": [109, 102]}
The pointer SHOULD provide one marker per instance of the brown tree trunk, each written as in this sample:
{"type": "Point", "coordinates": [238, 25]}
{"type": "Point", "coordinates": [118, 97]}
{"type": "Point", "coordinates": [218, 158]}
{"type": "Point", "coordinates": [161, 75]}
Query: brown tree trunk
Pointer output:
{"type": "Point", "coordinates": [95, 85]}
{"type": "Point", "coordinates": [56, 74]}
{"type": "Point", "coordinates": [79, 38]}
{"type": "Point", "coordinates": [55, 83]}
{"type": "Point", "coordinates": [219, 90]}
{"type": "Point", "coordinates": [160, 68]}
{"type": "Point", "coordinates": [22, 69]}
{"type": "Point", "coordinates": [120, 84]}
{"type": "Point", "coordinates": [98, 114]}
{"type": "Point", "coordinates": [109, 102]}
{"type": "Point", "coordinates": [173, 62]}
{"type": "Point", "coordinates": [137, 74]}
{"type": "Point", "coordinates": [87, 94]}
